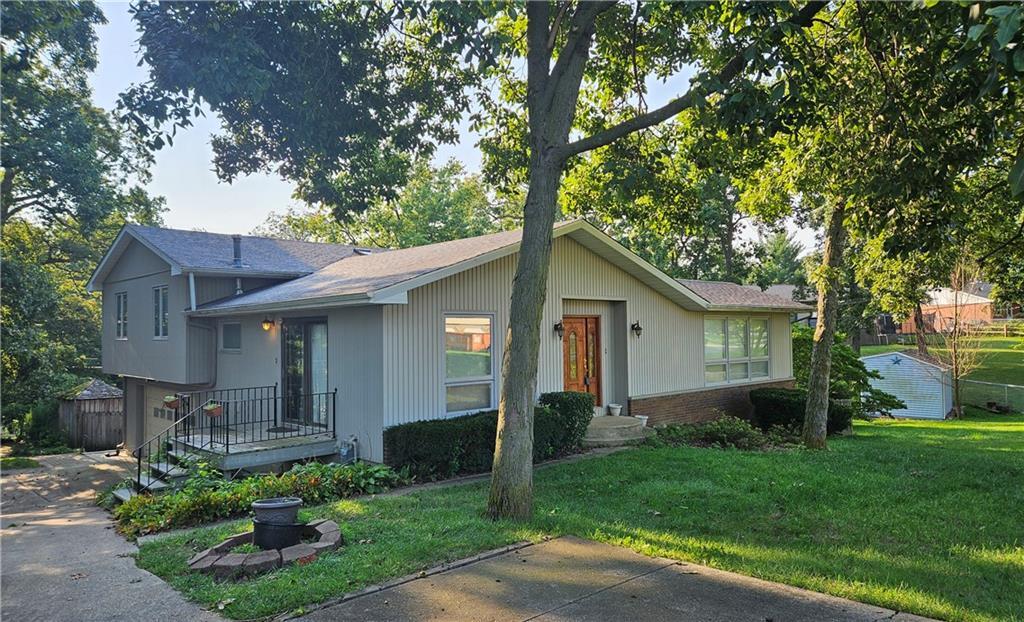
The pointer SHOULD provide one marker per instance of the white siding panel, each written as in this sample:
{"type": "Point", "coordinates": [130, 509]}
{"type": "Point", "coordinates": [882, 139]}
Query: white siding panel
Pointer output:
{"type": "Point", "coordinates": [925, 389]}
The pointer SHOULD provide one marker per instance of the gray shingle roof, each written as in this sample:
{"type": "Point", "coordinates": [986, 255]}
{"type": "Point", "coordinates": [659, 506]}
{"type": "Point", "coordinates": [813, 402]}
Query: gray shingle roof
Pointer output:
{"type": "Point", "coordinates": [725, 294]}
{"type": "Point", "coordinates": [200, 250]}
{"type": "Point", "coordinates": [94, 389]}
{"type": "Point", "coordinates": [364, 274]}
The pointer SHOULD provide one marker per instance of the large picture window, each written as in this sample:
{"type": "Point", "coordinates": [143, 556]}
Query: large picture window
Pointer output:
{"type": "Point", "coordinates": [160, 312]}
{"type": "Point", "coordinates": [121, 315]}
{"type": "Point", "coordinates": [468, 363]}
{"type": "Point", "coordinates": [735, 349]}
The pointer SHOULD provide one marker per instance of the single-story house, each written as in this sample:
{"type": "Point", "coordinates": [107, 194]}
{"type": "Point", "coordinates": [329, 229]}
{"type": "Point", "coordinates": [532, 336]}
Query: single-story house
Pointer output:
{"type": "Point", "coordinates": [942, 305]}
{"type": "Point", "coordinates": [923, 383]}
{"type": "Point", "coordinates": [271, 342]}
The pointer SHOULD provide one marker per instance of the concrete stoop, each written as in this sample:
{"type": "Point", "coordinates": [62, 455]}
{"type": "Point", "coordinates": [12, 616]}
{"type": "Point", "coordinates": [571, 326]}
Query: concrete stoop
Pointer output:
{"type": "Point", "coordinates": [608, 431]}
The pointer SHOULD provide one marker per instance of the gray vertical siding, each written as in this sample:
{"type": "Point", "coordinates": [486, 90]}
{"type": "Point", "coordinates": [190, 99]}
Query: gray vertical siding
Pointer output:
{"type": "Point", "coordinates": [667, 358]}
{"type": "Point", "coordinates": [137, 273]}
{"type": "Point", "coordinates": [355, 366]}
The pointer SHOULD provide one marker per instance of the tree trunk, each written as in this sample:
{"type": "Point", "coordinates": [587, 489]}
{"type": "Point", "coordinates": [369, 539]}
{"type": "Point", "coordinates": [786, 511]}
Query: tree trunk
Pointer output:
{"type": "Point", "coordinates": [919, 334]}
{"type": "Point", "coordinates": [511, 493]}
{"type": "Point", "coordinates": [816, 412]}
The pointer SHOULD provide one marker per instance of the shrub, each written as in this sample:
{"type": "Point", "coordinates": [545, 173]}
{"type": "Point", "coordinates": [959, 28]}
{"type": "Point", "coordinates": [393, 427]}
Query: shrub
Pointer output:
{"type": "Point", "coordinates": [785, 408]}
{"type": "Point", "coordinates": [849, 379]}
{"type": "Point", "coordinates": [205, 497]}
{"type": "Point", "coordinates": [724, 432]}
{"type": "Point", "coordinates": [441, 448]}
{"type": "Point", "coordinates": [575, 410]}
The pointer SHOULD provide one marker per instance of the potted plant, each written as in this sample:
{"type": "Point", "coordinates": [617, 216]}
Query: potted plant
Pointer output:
{"type": "Point", "coordinates": [172, 401]}
{"type": "Point", "coordinates": [213, 409]}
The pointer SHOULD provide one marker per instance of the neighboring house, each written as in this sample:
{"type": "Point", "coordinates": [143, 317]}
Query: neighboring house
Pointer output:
{"type": "Point", "coordinates": [924, 384]}
{"type": "Point", "coordinates": [943, 304]}
{"type": "Point", "coordinates": [308, 345]}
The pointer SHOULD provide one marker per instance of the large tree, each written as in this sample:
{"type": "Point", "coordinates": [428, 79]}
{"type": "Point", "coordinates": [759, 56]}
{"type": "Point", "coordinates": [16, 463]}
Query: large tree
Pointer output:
{"type": "Point", "coordinates": [436, 204]}
{"type": "Point", "coordinates": [65, 192]}
{"type": "Point", "coordinates": [289, 99]}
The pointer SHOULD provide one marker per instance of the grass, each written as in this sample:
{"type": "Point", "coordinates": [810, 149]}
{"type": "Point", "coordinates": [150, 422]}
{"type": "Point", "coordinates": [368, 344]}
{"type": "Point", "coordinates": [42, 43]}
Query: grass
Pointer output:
{"type": "Point", "coordinates": [918, 516]}
{"type": "Point", "coordinates": [18, 462]}
{"type": "Point", "coordinates": [999, 361]}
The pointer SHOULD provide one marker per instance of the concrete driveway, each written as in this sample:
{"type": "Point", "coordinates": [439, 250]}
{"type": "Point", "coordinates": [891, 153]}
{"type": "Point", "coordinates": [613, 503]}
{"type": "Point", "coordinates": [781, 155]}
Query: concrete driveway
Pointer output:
{"type": "Point", "coordinates": [62, 559]}
{"type": "Point", "coordinates": [572, 579]}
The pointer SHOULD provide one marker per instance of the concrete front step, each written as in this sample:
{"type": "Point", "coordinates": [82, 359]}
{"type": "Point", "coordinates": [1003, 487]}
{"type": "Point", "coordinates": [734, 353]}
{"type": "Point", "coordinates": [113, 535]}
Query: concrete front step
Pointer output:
{"type": "Point", "coordinates": [123, 494]}
{"type": "Point", "coordinates": [151, 484]}
{"type": "Point", "coordinates": [168, 471]}
{"type": "Point", "coordinates": [608, 431]}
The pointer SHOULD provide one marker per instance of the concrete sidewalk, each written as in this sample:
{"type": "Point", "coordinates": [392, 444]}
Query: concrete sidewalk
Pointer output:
{"type": "Point", "coordinates": [62, 559]}
{"type": "Point", "coordinates": [573, 579]}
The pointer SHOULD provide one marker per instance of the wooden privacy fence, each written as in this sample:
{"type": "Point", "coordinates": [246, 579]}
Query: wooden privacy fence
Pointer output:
{"type": "Point", "coordinates": [92, 418]}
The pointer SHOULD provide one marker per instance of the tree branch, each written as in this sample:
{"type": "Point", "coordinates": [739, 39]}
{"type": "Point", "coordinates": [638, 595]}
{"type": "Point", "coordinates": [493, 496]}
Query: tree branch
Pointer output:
{"type": "Point", "coordinates": [578, 40]}
{"type": "Point", "coordinates": [732, 69]}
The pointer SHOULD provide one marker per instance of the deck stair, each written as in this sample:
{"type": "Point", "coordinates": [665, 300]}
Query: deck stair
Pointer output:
{"type": "Point", "coordinates": [246, 433]}
{"type": "Point", "coordinates": [611, 431]}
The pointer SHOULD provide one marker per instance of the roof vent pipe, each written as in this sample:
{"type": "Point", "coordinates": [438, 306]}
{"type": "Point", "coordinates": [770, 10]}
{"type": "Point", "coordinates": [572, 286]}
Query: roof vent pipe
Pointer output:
{"type": "Point", "coordinates": [236, 241]}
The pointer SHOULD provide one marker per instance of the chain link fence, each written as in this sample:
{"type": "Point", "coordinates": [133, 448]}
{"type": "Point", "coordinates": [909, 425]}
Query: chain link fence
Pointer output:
{"type": "Point", "coordinates": [991, 394]}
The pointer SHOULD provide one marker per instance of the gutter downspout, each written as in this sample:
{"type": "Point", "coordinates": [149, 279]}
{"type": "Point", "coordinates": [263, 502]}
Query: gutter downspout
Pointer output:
{"type": "Point", "coordinates": [192, 290]}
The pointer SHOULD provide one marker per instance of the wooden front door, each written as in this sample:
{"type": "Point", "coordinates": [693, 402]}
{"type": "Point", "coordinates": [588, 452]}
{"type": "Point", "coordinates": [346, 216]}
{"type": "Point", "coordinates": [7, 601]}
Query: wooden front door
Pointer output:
{"type": "Point", "coordinates": [581, 355]}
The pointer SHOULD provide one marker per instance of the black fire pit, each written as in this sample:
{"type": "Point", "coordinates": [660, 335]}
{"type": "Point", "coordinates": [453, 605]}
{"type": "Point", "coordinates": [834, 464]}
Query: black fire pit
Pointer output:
{"type": "Point", "coordinates": [276, 524]}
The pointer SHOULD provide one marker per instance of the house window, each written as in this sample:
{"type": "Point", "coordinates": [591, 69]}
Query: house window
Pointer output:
{"type": "Point", "coordinates": [160, 312]}
{"type": "Point", "coordinates": [121, 315]}
{"type": "Point", "coordinates": [468, 363]}
{"type": "Point", "coordinates": [231, 336]}
{"type": "Point", "coordinates": [735, 349]}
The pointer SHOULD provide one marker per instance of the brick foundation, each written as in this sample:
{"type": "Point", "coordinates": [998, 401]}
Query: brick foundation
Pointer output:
{"type": "Point", "coordinates": [701, 405]}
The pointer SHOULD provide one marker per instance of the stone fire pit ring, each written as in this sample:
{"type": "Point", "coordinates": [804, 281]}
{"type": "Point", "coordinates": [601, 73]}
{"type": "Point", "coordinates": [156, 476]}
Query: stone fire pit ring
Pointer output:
{"type": "Point", "coordinates": [220, 562]}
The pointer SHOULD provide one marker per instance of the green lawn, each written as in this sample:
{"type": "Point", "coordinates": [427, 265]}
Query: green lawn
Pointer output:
{"type": "Point", "coordinates": [925, 517]}
{"type": "Point", "coordinates": [999, 361]}
{"type": "Point", "coordinates": [18, 462]}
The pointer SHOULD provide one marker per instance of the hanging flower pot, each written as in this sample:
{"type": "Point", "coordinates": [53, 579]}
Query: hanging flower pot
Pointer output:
{"type": "Point", "coordinates": [213, 410]}
{"type": "Point", "coordinates": [171, 401]}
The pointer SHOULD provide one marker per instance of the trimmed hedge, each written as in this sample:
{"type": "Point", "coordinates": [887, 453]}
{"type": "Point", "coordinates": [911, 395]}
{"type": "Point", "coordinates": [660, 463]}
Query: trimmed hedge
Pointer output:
{"type": "Point", "coordinates": [441, 448]}
{"type": "Point", "coordinates": [785, 407]}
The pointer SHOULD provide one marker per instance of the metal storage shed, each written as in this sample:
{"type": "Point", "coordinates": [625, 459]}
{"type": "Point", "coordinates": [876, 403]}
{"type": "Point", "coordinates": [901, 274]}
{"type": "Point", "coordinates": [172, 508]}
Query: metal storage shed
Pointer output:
{"type": "Point", "coordinates": [925, 385]}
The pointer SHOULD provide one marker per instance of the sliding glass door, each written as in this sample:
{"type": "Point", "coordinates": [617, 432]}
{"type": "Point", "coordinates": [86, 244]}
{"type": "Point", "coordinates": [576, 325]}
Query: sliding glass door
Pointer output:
{"type": "Point", "coordinates": [304, 371]}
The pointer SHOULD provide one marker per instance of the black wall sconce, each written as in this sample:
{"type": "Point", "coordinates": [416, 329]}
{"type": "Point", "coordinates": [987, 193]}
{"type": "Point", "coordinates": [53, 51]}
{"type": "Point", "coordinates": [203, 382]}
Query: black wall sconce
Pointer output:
{"type": "Point", "coordinates": [637, 329]}
{"type": "Point", "coordinates": [559, 329]}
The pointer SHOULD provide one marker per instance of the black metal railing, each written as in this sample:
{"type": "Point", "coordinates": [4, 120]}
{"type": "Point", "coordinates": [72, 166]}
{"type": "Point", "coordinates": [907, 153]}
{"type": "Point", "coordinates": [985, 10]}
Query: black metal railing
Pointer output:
{"type": "Point", "coordinates": [218, 421]}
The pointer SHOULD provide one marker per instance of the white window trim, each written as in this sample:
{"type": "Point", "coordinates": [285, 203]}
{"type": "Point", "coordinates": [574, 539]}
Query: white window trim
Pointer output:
{"type": "Point", "coordinates": [445, 383]}
{"type": "Point", "coordinates": [121, 316]}
{"type": "Point", "coordinates": [163, 311]}
{"type": "Point", "coordinates": [220, 338]}
{"type": "Point", "coordinates": [728, 360]}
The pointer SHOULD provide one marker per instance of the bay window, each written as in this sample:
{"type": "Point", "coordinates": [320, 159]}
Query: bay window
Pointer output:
{"type": "Point", "coordinates": [735, 349]}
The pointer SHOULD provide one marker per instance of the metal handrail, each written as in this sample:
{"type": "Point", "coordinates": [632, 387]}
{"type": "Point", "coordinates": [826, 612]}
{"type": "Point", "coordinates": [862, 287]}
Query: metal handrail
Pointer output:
{"type": "Point", "coordinates": [247, 416]}
{"type": "Point", "coordinates": [166, 435]}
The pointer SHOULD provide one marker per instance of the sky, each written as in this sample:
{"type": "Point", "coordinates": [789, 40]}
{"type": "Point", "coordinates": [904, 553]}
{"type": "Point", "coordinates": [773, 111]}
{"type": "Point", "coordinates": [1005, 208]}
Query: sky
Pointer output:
{"type": "Point", "coordinates": [183, 173]}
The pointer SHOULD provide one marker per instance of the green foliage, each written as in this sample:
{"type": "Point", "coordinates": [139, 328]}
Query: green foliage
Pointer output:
{"type": "Point", "coordinates": [784, 408]}
{"type": "Point", "coordinates": [435, 205]}
{"type": "Point", "coordinates": [64, 193]}
{"type": "Point", "coordinates": [206, 497]}
{"type": "Point", "coordinates": [18, 462]}
{"type": "Point", "coordinates": [849, 379]}
{"type": "Point", "coordinates": [575, 411]}
{"type": "Point", "coordinates": [441, 448]}
{"type": "Point", "coordinates": [778, 261]}
{"type": "Point", "coordinates": [723, 432]}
